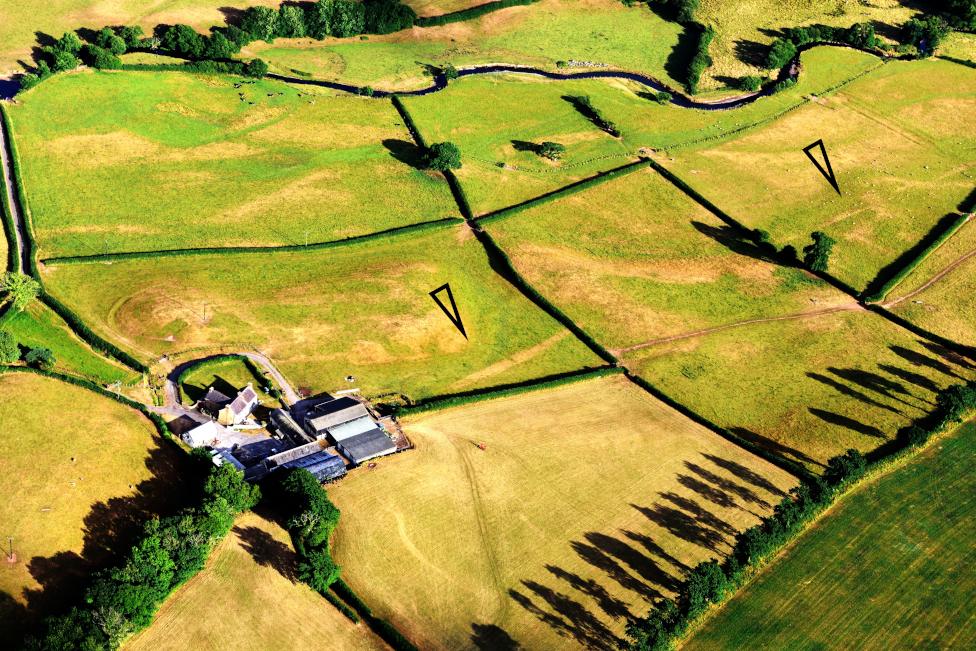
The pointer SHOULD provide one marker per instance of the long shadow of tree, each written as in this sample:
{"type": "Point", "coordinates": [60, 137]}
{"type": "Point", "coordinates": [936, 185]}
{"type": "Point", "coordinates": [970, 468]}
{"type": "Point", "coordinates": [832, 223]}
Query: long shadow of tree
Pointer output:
{"type": "Point", "coordinates": [110, 528]}
{"type": "Point", "coordinates": [488, 637]}
{"type": "Point", "coordinates": [267, 551]}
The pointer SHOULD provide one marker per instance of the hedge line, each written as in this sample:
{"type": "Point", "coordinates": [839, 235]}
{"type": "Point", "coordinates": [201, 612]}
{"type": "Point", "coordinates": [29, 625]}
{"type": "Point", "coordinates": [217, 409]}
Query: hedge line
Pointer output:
{"type": "Point", "coordinates": [237, 250]}
{"type": "Point", "coordinates": [701, 60]}
{"type": "Point", "coordinates": [712, 582]}
{"type": "Point", "coordinates": [92, 339]}
{"type": "Point", "coordinates": [470, 13]}
{"type": "Point", "coordinates": [9, 230]}
{"type": "Point", "coordinates": [460, 197]}
{"type": "Point", "coordinates": [565, 191]}
{"type": "Point", "coordinates": [387, 631]}
{"type": "Point", "coordinates": [889, 277]}
{"type": "Point", "coordinates": [408, 121]}
{"type": "Point", "coordinates": [505, 390]}
{"type": "Point", "coordinates": [18, 196]}
{"type": "Point", "coordinates": [215, 360]}
{"type": "Point", "coordinates": [502, 265]}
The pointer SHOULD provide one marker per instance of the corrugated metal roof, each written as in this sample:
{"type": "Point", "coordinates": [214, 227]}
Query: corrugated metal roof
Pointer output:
{"type": "Point", "coordinates": [366, 446]}
{"type": "Point", "coordinates": [323, 420]}
{"type": "Point", "coordinates": [352, 428]}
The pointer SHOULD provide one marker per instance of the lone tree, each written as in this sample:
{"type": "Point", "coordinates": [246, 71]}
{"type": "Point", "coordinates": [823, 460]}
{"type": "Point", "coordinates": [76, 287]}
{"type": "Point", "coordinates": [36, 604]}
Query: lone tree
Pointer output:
{"type": "Point", "coordinates": [41, 358]}
{"type": "Point", "coordinates": [9, 351]}
{"type": "Point", "coordinates": [443, 156]}
{"type": "Point", "coordinates": [551, 150]}
{"type": "Point", "coordinates": [816, 256]}
{"type": "Point", "coordinates": [22, 289]}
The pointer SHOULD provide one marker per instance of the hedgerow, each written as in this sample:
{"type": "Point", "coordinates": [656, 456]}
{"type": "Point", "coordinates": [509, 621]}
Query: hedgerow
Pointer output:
{"type": "Point", "coordinates": [470, 13]}
{"type": "Point", "coordinates": [387, 631]}
{"type": "Point", "coordinates": [713, 582]}
{"type": "Point", "coordinates": [701, 60]}
{"type": "Point", "coordinates": [907, 262]}
{"type": "Point", "coordinates": [504, 391]}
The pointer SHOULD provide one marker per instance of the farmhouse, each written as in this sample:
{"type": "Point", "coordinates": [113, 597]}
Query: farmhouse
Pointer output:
{"type": "Point", "coordinates": [229, 411]}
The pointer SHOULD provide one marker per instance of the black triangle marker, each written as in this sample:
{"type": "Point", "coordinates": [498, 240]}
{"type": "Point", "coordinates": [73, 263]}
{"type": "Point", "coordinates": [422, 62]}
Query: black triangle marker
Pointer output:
{"type": "Point", "coordinates": [452, 314]}
{"type": "Point", "coordinates": [827, 173]}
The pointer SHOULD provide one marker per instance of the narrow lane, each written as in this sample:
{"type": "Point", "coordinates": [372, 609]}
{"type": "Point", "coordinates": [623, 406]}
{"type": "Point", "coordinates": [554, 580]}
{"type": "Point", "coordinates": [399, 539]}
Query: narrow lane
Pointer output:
{"type": "Point", "coordinates": [20, 227]}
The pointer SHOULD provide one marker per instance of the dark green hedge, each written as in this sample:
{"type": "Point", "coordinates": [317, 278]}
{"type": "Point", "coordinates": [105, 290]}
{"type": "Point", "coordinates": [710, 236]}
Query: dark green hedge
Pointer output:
{"type": "Point", "coordinates": [460, 197]}
{"type": "Point", "coordinates": [408, 122]}
{"type": "Point", "coordinates": [216, 360]}
{"type": "Point", "coordinates": [701, 60]}
{"type": "Point", "coordinates": [387, 631]}
{"type": "Point", "coordinates": [92, 339]}
{"type": "Point", "coordinates": [502, 391]}
{"type": "Point", "coordinates": [470, 13]}
{"type": "Point", "coordinates": [565, 191]}
{"type": "Point", "coordinates": [237, 250]}
{"type": "Point", "coordinates": [19, 196]}
{"type": "Point", "coordinates": [9, 231]}
{"type": "Point", "coordinates": [906, 263]}
{"type": "Point", "coordinates": [502, 265]}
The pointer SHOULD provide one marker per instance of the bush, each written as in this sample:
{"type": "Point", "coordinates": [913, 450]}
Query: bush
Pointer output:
{"type": "Point", "coordinates": [40, 358]}
{"type": "Point", "coordinates": [443, 156]}
{"type": "Point", "coordinates": [256, 68]}
{"type": "Point", "coordinates": [9, 350]}
{"type": "Point", "coordinates": [781, 52]}
{"type": "Point", "coordinates": [100, 58]}
{"type": "Point", "coordinates": [449, 72]}
{"type": "Point", "coordinates": [750, 82]}
{"type": "Point", "coordinates": [551, 150]}
{"type": "Point", "coordinates": [470, 13]}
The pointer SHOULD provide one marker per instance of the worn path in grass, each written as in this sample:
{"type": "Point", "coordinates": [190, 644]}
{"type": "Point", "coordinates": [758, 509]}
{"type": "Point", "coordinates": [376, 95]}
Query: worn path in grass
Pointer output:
{"type": "Point", "coordinates": [934, 279]}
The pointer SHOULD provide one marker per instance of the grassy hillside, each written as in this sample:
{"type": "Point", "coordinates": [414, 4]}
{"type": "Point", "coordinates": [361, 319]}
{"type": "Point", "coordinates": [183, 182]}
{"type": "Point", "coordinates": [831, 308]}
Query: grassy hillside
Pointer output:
{"type": "Point", "coordinates": [137, 160]}
{"type": "Point", "coordinates": [251, 574]}
{"type": "Point", "coordinates": [881, 571]}
{"type": "Point", "coordinates": [587, 501]}
{"type": "Point", "coordinates": [81, 474]}
{"type": "Point", "coordinates": [360, 310]}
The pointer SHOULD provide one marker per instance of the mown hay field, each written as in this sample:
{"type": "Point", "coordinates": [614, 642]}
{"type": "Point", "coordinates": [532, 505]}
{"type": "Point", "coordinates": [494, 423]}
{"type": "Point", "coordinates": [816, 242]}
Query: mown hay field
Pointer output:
{"type": "Point", "coordinates": [129, 161]}
{"type": "Point", "coordinates": [360, 310]}
{"type": "Point", "coordinates": [634, 259]}
{"type": "Point", "coordinates": [39, 327]}
{"type": "Point", "coordinates": [592, 31]}
{"type": "Point", "coordinates": [587, 501]}
{"type": "Point", "coordinates": [882, 570]}
{"type": "Point", "coordinates": [80, 475]}
{"type": "Point", "coordinates": [20, 21]}
{"type": "Point", "coordinates": [940, 294]}
{"type": "Point", "coordinates": [247, 597]}
{"type": "Point", "coordinates": [496, 119]}
{"type": "Point", "coordinates": [806, 389]}
{"type": "Point", "coordinates": [900, 146]}
{"type": "Point", "coordinates": [744, 30]}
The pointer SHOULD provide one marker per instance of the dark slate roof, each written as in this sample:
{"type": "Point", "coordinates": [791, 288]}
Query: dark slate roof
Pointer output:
{"type": "Point", "coordinates": [244, 400]}
{"type": "Point", "coordinates": [335, 412]}
{"type": "Point", "coordinates": [216, 397]}
{"type": "Point", "coordinates": [367, 445]}
{"type": "Point", "coordinates": [323, 465]}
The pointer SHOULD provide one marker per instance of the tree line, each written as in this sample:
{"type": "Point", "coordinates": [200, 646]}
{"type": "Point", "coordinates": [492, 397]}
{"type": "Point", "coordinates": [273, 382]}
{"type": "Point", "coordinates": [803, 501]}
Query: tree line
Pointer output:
{"type": "Point", "coordinates": [712, 582]}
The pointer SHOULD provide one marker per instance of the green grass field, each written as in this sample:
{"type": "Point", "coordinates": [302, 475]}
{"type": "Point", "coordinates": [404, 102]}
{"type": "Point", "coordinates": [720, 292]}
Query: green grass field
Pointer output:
{"type": "Point", "coordinates": [360, 310]}
{"type": "Point", "coordinates": [634, 259]}
{"type": "Point", "coordinates": [137, 160]}
{"type": "Point", "coordinates": [744, 29]}
{"type": "Point", "coordinates": [251, 574]}
{"type": "Point", "coordinates": [805, 389]}
{"type": "Point", "coordinates": [899, 144]}
{"type": "Point", "coordinates": [588, 500]}
{"type": "Point", "coordinates": [19, 22]}
{"type": "Point", "coordinates": [79, 471]}
{"type": "Point", "coordinates": [595, 31]}
{"type": "Point", "coordinates": [38, 326]}
{"type": "Point", "coordinates": [943, 304]}
{"type": "Point", "coordinates": [227, 375]}
{"type": "Point", "coordinates": [883, 570]}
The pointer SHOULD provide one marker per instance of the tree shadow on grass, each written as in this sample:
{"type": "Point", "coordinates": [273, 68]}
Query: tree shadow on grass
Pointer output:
{"type": "Point", "coordinates": [525, 145]}
{"type": "Point", "coordinates": [110, 528]}
{"type": "Point", "coordinates": [568, 617]}
{"type": "Point", "coordinates": [949, 355]}
{"type": "Point", "coordinates": [916, 358]}
{"type": "Point", "coordinates": [874, 382]}
{"type": "Point", "coordinates": [643, 566]}
{"type": "Point", "coordinates": [488, 637]}
{"type": "Point", "coordinates": [613, 607]}
{"type": "Point", "coordinates": [268, 552]}
{"type": "Point", "coordinates": [701, 515]}
{"type": "Point", "coordinates": [847, 423]}
{"type": "Point", "coordinates": [712, 494]}
{"type": "Point", "coordinates": [676, 65]}
{"type": "Point", "coordinates": [405, 152]}
{"type": "Point", "coordinates": [752, 53]}
{"type": "Point", "coordinates": [773, 446]}
{"type": "Point", "coordinates": [655, 549]}
{"type": "Point", "coordinates": [917, 379]}
{"type": "Point", "coordinates": [745, 474]}
{"type": "Point", "coordinates": [14, 617]}
{"type": "Point", "coordinates": [735, 240]}
{"type": "Point", "coordinates": [744, 493]}
{"type": "Point", "coordinates": [600, 560]}
{"type": "Point", "coordinates": [845, 390]}
{"type": "Point", "coordinates": [682, 525]}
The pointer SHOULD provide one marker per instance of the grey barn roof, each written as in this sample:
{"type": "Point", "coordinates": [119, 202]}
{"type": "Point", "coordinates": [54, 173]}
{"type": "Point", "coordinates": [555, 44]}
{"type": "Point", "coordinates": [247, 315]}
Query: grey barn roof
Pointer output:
{"type": "Point", "coordinates": [335, 412]}
{"type": "Point", "coordinates": [287, 456]}
{"type": "Point", "coordinates": [366, 446]}
{"type": "Point", "coordinates": [323, 465]}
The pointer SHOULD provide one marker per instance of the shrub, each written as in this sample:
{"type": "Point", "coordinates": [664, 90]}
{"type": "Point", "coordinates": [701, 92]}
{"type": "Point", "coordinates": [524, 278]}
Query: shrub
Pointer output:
{"type": "Point", "coordinates": [584, 105]}
{"type": "Point", "coordinates": [780, 53]}
{"type": "Point", "coordinates": [41, 358]}
{"type": "Point", "coordinates": [443, 156]}
{"type": "Point", "coordinates": [449, 72]}
{"type": "Point", "coordinates": [9, 350]}
{"type": "Point", "coordinates": [551, 150]}
{"type": "Point", "coordinates": [784, 84]}
{"type": "Point", "coordinates": [256, 68]}
{"type": "Point", "coordinates": [100, 58]}
{"type": "Point", "coordinates": [816, 256]}
{"type": "Point", "coordinates": [28, 80]}
{"type": "Point", "coordinates": [182, 40]}
{"type": "Point", "coordinates": [750, 82]}
{"type": "Point", "coordinates": [21, 288]}
{"type": "Point", "coordinates": [62, 61]}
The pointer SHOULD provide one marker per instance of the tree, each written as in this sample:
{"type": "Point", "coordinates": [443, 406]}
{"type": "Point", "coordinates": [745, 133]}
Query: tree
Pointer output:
{"type": "Point", "coordinates": [551, 150]}
{"type": "Point", "coordinates": [961, 13]}
{"type": "Point", "coordinates": [348, 18]}
{"type": "Point", "coordinates": [41, 358]}
{"type": "Point", "coordinates": [100, 58]}
{"type": "Point", "coordinates": [227, 482]}
{"type": "Point", "coordinates": [62, 60]}
{"type": "Point", "coordinates": [256, 68]}
{"type": "Point", "coordinates": [219, 46]}
{"type": "Point", "coordinates": [955, 401]}
{"type": "Point", "coordinates": [183, 40]}
{"type": "Point", "coordinates": [107, 39]}
{"type": "Point", "coordinates": [449, 72]}
{"type": "Point", "coordinates": [443, 156]}
{"type": "Point", "coordinates": [780, 53]}
{"type": "Point", "coordinates": [846, 467]}
{"type": "Point", "coordinates": [750, 82]}
{"type": "Point", "coordinates": [926, 33]}
{"type": "Point", "coordinates": [816, 256]}
{"type": "Point", "coordinates": [69, 42]}
{"type": "Point", "coordinates": [131, 35]}
{"type": "Point", "coordinates": [318, 570]}
{"type": "Point", "coordinates": [9, 350]}
{"type": "Point", "coordinates": [291, 22]}
{"type": "Point", "coordinates": [22, 289]}
{"type": "Point", "coordinates": [261, 23]}
{"type": "Point", "coordinates": [387, 16]}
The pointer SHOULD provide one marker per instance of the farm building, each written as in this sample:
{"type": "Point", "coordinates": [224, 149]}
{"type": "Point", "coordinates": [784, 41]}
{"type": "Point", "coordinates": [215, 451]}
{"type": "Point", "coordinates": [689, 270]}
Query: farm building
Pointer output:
{"type": "Point", "coordinates": [362, 447]}
{"type": "Point", "coordinates": [207, 433]}
{"type": "Point", "coordinates": [286, 426]}
{"type": "Point", "coordinates": [229, 411]}
{"type": "Point", "coordinates": [332, 414]}
{"type": "Point", "coordinates": [356, 434]}
{"type": "Point", "coordinates": [313, 457]}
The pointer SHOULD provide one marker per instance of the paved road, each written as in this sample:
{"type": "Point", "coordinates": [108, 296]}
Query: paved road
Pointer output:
{"type": "Point", "coordinates": [20, 228]}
